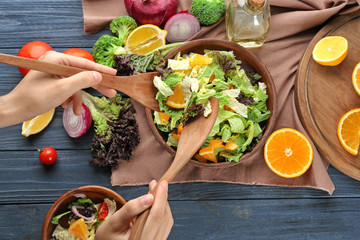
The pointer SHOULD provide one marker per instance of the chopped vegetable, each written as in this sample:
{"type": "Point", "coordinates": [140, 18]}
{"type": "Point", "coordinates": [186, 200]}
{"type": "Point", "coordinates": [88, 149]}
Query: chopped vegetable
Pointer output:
{"type": "Point", "coordinates": [155, 12]}
{"type": "Point", "coordinates": [116, 129]}
{"type": "Point", "coordinates": [76, 210]}
{"type": "Point", "coordinates": [103, 210]}
{"type": "Point", "coordinates": [122, 26]}
{"type": "Point", "coordinates": [55, 220]}
{"type": "Point", "coordinates": [76, 126]}
{"type": "Point", "coordinates": [181, 26]}
{"type": "Point", "coordinates": [208, 11]}
{"type": "Point", "coordinates": [105, 48]}
{"type": "Point", "coordinates": [132, 64]}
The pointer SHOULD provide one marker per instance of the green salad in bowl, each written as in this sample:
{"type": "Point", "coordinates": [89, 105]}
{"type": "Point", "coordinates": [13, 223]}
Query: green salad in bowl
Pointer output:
{"type": "Point", "coordinates": [246, 104]}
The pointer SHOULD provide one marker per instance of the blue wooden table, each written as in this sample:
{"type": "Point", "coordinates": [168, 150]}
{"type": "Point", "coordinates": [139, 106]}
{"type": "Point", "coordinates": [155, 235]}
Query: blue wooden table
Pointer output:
{"type": "Point", "coordinates": [200, 210]}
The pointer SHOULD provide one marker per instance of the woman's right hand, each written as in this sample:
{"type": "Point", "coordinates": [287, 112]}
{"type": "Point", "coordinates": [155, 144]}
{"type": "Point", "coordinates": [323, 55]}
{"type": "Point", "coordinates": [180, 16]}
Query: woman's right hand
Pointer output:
{"type": "Point", "coordinates": [157, 226]}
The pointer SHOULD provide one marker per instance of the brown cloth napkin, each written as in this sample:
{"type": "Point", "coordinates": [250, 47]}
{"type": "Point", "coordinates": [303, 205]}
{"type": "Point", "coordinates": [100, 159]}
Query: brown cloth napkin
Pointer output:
{"type": "Point", "coordinates": [293, 25]}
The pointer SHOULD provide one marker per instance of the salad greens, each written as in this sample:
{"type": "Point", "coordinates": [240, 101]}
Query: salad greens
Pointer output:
{"type": "Point", "coordinates": [116, 129]}
{"type": "Point", "coordinates": [242, 103]}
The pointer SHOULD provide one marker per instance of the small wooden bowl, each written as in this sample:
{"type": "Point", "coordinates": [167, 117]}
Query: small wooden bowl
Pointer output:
{"type": "Point", "coordinates": [250, 63]}
{"type": "Point", "coordinates": [95, 193]}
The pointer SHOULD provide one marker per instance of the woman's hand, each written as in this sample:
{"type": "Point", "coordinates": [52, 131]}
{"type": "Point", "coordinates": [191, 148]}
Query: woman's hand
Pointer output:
{"type": "Point", "coordinates": [39, 92]}
{"type": "Point", "coordinates": [157, 226]}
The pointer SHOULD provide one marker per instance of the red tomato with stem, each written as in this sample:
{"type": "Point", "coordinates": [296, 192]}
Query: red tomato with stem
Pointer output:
{"type": "Point", "coordinates": [47, 155]}
{"type": "Point", "coordinates": [33, 50]}
{"type": "Point", "coordinates": [78, 52]}
{"type": "Point", "coordinates": [103, 210]}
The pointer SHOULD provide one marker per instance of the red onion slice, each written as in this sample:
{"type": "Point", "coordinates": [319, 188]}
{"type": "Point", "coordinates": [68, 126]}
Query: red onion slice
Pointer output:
{"type": "Point", "coordinates": [181, 27]}
{"type": "Point", "coordinates": [75, 208]}
{"type": "Point", "coordinates": [76, 126]}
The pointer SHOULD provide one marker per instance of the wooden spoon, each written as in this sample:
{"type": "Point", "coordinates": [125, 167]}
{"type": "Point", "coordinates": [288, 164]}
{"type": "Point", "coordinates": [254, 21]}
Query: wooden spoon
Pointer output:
{"type": "Point", "coordinates": [191, 139]}
{"type": "Point", "coordinates": [139, 87]}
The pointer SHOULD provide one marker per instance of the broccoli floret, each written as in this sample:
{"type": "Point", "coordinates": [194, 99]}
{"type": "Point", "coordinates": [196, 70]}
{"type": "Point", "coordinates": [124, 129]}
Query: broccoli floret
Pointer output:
{"type": "Point", "coordinates": [105, 48]}
{"type": "Point", "coordinates": [122, 26]}
{"type": "Point", "coordinates": [208, 11]}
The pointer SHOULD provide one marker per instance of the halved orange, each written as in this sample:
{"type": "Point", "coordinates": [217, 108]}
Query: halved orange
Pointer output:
{"type": "Point", "coordinates": [330, 51]}
{"type": "Point", "coordinates": [37, 124]}
{"type": "Point", "coordinates": [349, 131]}
{"type": "Point", "coordinates": [356, 78]}
{"type": "Point", "coordinates": [288, 153]}
{"type": "Point", "coordinates": [78, 228]}
{"type": "Point", "coordinates": [177, 99]}
{"type": "Point", "coordinates": [145, 39]}
{"type": "Point", "coordinates": [198, 59]}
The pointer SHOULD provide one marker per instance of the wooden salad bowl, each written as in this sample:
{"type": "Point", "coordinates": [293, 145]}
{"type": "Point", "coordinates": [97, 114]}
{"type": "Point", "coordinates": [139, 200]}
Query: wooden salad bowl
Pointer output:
{"type": "Point", "coordinates": [95, 193]}
{"type": "Point", "coordinates": [250, 63]}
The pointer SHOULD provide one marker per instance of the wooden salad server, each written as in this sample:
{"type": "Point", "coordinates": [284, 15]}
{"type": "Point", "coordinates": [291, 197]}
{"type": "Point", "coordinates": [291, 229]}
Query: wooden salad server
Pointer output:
{"type": "Point", "coordinates": [191, 139]}
{"type": "Point", "coordinates": [139, 87]}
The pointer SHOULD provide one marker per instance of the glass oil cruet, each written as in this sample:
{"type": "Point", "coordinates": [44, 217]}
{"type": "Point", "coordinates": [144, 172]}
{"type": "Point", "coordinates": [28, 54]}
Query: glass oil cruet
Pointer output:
{"type": "Point", "coordinates": [248, 22]}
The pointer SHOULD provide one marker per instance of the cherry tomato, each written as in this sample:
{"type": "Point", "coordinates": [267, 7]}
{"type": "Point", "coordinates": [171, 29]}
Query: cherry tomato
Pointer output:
{"type": "Point", "coordinates": [103, 211]}
{"type": "Point", "coordinates": [78, 52]}
{"type": "Point", "coordinates": [33, 50]}
{"type": "Point", "coordinates": [47, 155]}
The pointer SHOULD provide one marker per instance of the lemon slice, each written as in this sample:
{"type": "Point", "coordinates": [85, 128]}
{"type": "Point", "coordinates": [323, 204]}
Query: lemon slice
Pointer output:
{"type": "Point", "coordinates": [145, 39]}
{"type": "Point", "coordinates": [37, 124]}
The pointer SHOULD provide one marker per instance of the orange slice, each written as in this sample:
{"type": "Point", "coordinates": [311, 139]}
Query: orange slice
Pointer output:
{"type": "Point", "coordinates": [356, 78]}
{"type": "Point", "coordinates": [349, 131]}
{"type": "Point", "coordinates": [164, 118]}
{"type": "Point", "coordinates": [330, 51]}
{"type": "Point", "coordinates": [37, 124]}
{"type": "Point", "coordinates": [78, 228]}
{"type": "Point", "coordinates": [216, 143]}
{"type": "Point", "coordinates": [180, 129]}
{"type": "Point", "coordinates": [288, 153]}
{"type": "Point", "coordinates": [175, 136]}
{"type": "Point", "coordinates": [177, 99]}
{"type": "Point", "coordinates": [145, 39]}
{"type": "Point", "coordinates": [198, 59]}
{"type": "Point", "coordinates": [230, 145]}
{"type": "Point", "coordinates": [208, 153]}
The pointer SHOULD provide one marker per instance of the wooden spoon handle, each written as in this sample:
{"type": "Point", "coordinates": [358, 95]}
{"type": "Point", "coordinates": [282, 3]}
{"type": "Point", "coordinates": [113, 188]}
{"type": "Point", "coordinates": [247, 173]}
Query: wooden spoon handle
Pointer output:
{"type": "Point", "coordinates": [56, 69]}
{"type": "Point", "coordinates": [188, 146]}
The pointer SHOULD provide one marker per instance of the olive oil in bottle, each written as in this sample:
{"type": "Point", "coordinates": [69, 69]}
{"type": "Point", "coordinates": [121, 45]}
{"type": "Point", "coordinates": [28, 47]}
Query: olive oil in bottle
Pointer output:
{"type": "Point", "coordinates": [248, 22]}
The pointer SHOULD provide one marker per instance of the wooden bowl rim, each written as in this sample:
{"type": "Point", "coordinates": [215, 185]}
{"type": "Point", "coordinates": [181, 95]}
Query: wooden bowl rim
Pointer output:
{"type": "Point", "coordinates": [230, 46]}
{"type": "Point", "coordinates": [65, 199]}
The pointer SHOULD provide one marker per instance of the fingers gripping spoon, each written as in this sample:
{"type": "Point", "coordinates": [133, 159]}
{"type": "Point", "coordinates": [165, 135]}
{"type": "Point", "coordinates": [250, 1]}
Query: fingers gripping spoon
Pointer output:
{"type": "Point", "coordinates": [139, 87]}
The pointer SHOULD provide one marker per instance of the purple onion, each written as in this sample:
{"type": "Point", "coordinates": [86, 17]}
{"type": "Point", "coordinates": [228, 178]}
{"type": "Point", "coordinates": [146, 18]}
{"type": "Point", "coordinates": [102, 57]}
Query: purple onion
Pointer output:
{"type": "Point", "coordinates": [77, 126]}
{"type": "Point", "coordinates": [75, 208]}
{"type": "Point", "coordinates": [181, 27]}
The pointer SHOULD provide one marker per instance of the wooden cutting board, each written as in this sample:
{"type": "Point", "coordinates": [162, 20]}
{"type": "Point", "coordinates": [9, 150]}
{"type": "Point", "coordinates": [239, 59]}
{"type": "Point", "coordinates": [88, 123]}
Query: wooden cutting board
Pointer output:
{"type": "Point", "coordinates": [324, 94]}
